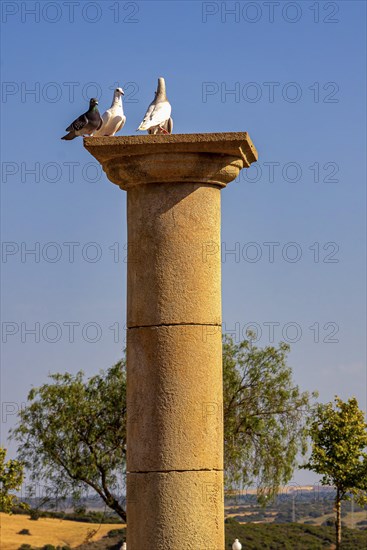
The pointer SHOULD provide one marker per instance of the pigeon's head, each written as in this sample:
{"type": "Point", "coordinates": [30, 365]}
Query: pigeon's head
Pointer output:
{"type": "Point", "coordinates": [93, 102]}
{"type": "Point", "coordinates": [119, 91]}
{"type": "Point", "coordinates": [161, 89]}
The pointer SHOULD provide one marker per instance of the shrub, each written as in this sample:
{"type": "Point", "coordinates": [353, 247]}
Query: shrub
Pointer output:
{"type": "Point", "coordinates": [48, 547]}
{"type": "Point", "coordinates": [24, 532]}
{"type": "Point", "coordinates": [80, 510]}
{"type": "Point", "coordinates": [25, 547]}
{"type": "Point", "coordinates": [115, 532]}
{"type": "Point", "coordinates": [231, 521]}
{"type": "Point", "coordinates": [34, 515]}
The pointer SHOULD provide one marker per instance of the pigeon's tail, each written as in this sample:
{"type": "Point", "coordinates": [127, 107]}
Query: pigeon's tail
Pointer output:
{"type": "Point", "coordinates": [169, 125]}
{"type": "Point", "coordinates": [164, 128]}
{"type": "Point", "coordinates": [69, 136]}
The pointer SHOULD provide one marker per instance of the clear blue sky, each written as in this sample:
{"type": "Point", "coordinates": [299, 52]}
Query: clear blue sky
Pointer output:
{"type": "Point", "coordinates": [297, 77]}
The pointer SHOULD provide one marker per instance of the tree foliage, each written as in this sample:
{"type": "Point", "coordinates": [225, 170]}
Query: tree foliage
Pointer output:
{"type": "Point", "coordinates": [11, 478]}
{"type": "Point", "coordinates": [339, 444]}
{"type": "Point", "coordinates": [73, 432]}
{"type": "Point", "coordinates": [265, 416]}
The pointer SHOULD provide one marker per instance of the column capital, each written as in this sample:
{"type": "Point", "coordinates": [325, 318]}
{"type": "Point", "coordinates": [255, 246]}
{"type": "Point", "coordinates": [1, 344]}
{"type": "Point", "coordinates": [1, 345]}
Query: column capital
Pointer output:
{"type": "Point", "coordinates": [213, 158]}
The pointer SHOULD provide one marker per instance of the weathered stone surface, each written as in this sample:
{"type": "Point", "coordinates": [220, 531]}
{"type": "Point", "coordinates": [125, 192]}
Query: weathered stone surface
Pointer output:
{"type": "Point", "coordinates": [198, 158]}
{"type": "Point", "coordinates": [178, 510]}
{"type": "Point", "coordinates": [174, 270]}
{"type": "Point", "coordinates": [174, 388]}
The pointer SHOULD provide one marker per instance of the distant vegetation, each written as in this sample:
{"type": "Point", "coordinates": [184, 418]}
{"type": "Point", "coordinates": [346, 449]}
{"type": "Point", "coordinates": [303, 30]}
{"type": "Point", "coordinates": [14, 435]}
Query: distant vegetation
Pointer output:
{"type": "Point", "coordinates": [291, 536]}
{"type": "Point", "coordinates": [256, 537]}
{"type": "Point", "coordinates": [280, 534]}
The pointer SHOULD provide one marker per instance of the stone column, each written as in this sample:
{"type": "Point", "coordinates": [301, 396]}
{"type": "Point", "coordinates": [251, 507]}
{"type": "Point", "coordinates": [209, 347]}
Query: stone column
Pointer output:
{"type": "Point", "coordinates": [174, 349]}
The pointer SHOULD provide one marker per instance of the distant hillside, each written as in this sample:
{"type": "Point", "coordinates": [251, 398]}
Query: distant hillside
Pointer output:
{"type": "Point", "coordinates": [289, 536]}
{"type": "Point", "coordinates": [17, 530]}
{"type": "Point", "coordinates": [270, 537]}
{"type": "Point", "coordinates": [310, 507]}
{"type": "Point", "coordinates": [292, 536]}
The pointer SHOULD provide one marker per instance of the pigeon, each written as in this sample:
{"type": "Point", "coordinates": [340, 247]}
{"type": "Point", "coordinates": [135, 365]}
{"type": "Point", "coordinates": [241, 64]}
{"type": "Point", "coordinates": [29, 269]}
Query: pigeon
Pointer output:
{"type": "Point", "coordinates": [113, 119]}
{"type": "Point", "coordinates": [86, 124]}
{"type": "Point", "coordinates": [236, 545]}
{"type": "Point", "coordinates": [157, 119]}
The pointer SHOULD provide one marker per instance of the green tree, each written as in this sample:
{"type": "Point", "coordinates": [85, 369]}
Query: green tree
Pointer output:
{"type": "Point", "coordinates": [339, 440]}
{"type": "Point", "coordinates": [265, 416]}
{"type": "Point", "coordinates": [11, 478]}
{"type": "Point", "coordinates": [73, 434]}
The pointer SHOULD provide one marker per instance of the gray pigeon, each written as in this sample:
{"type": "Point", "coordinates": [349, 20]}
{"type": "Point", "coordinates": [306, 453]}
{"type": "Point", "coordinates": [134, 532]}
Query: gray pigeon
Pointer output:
{"type": "Point", "coordinates": [87, 123]}
{"type": "Point", "coordinates": [157, 119]}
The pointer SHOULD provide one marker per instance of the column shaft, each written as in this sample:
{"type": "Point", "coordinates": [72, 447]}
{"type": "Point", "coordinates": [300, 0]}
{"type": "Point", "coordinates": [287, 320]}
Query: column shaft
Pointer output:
{"type": "Point", "coordinates": [174, 368]}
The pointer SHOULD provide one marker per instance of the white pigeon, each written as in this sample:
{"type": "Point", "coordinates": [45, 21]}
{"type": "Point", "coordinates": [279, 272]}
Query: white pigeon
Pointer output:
{"type": "Point", "coordinates": [113, 119]}
{"type": "Point", "coordinates": [236, 545]}
{"type": "Point", "coordinates": [157, 119]}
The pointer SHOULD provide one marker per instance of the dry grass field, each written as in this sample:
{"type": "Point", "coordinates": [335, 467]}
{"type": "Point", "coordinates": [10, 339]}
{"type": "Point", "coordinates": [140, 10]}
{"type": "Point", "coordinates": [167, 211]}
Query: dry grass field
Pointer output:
{"type": "Point", "coordinates": [47, 531]}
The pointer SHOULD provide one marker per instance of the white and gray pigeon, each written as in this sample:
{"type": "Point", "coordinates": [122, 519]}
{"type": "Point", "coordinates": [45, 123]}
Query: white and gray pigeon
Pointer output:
{"type": "Point", "coordinates": [113, 119]}
{"type": "Point", "coordinates": [236, 545]}
{"type": "Point", "coordinates": [157, 119]}
{"type": "Point", "coordinates": [86, 124]}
